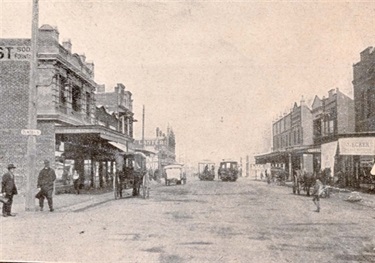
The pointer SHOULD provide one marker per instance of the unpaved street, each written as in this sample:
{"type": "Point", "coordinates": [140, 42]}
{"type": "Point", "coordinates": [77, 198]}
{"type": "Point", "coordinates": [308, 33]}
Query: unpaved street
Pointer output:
{"type": "Point", "coordinates": [244, 221]}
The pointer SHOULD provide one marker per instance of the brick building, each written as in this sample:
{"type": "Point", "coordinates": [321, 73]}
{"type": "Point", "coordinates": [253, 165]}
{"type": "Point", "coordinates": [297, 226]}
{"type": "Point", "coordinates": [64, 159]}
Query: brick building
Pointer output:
{"type": "Point", "coordinates": [123, 107]}
{"type": "Point", "coordinates": [71, 133]}
{"type": "Point", "coordinates": [292, 140]}
{"type": "Point", "coordinates": [333, 118]}
{"type": "Point", "coordinates": [364, 91]}
{"type": "Point", "coordinates": [162, 145]}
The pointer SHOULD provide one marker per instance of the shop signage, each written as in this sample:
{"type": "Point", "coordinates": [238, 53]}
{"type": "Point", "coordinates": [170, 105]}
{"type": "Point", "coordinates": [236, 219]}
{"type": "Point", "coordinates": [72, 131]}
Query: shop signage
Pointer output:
{"type": "Point", "coordinates": [15, 53]}
{"type": "Point", "coordinates": [31, 132]}
{"type": "Point", "coordinates": [357, 146]}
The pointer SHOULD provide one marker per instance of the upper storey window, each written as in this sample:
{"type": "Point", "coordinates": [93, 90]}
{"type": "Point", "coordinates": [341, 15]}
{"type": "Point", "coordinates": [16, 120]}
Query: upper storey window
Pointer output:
{"type": "Point", "coordinates": [76, 98]}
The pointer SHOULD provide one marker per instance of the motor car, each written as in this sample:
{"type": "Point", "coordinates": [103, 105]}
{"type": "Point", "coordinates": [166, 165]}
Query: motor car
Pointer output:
{"type": "Point", "coordinates": [174, 174]}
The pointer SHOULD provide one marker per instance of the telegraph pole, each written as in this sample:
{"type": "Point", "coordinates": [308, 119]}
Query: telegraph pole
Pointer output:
{"type": "Point", "coordinates": [32, 114]}
{"type": "Point", "coordinates": [143, 127]}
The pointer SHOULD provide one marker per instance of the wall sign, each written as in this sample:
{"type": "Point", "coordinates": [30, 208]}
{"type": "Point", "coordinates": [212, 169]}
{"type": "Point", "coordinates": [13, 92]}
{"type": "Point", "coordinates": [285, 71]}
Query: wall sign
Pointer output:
{"type": "Point", "coordinates": [357, 146]}
{"type": "Point", "coordinates": [15, 53]}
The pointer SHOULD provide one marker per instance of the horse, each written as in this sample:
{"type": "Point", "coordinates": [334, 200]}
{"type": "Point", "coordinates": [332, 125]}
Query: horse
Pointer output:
{"type": "Point", "coordinates": [308, 181]}
{"type": "Point", "coordinates": [297, 181]}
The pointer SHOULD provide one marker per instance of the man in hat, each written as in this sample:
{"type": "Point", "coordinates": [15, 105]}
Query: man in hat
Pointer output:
{"type": "Point", "coordinates": [46, 179]}
{"type": "Point", "coordinates": [8, 189]}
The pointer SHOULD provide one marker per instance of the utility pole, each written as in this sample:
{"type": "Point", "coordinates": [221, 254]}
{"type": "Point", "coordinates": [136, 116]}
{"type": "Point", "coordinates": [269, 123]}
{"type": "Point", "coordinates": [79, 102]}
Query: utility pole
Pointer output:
{"type": "Point", "coordinates": [247, 166]}
{"type": "Point", "coordinates": [32, 114]}
{"type": "Point", "coordinates": [143, 127]}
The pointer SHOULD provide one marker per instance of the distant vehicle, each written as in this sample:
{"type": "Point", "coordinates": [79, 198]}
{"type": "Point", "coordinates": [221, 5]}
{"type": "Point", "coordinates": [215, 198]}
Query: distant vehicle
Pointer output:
{"type": "Point", "coordinates": [278, 175]}
{"type": "Point", "coordinates": [228, 171]}
{"type": "Point", "coordinates": [174, 174]}
{"type": "Point", "coordinates": [206, 171]}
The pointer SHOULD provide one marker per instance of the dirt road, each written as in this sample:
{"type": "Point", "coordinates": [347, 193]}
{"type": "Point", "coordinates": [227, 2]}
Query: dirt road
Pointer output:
{"type": "Point", "coordinates": [243, 221]}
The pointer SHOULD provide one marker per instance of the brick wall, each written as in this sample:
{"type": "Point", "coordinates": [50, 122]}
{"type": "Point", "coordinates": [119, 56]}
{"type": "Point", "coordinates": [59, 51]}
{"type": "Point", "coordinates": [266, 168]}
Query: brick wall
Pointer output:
{"type": "Point", "coordinates": [14, 99]}
{"type": "Point", "coordinates": [14, 83]}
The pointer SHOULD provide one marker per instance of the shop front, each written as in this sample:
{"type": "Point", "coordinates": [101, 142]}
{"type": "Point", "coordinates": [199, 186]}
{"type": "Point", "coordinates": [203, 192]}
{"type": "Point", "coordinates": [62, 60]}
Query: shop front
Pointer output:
{"type": "Point", "coordinates": [303, 158]}
{"type": "Point", "coordinates": [356, 160]}
{"type": "Point", "coordinates": [89, 151]}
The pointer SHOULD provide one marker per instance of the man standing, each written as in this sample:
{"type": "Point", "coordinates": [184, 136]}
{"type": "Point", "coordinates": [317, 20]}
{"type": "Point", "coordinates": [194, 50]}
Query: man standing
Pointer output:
{"type": "Point", "coordinates": [8, 189]}
{"type": "Point", "coordinates": [46, 179]}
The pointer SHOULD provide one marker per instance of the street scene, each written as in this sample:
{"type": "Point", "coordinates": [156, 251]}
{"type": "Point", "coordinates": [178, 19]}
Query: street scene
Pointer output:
{"type": "Point", "coordinates": [187, 131]}
{"type": "Point", "coordinates": [202, 221]}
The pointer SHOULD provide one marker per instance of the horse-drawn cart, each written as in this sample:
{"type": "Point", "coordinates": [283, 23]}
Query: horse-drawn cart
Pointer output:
{"type": "Point", "coordinates": [302, 181]}
{"type": "Point", "coordinates": [132, 174]}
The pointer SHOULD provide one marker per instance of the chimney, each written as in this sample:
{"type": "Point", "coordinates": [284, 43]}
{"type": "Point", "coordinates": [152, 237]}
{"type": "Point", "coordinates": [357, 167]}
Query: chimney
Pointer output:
{"type": "Point", "coordinates": [83, 57]}
{"type": "Point", "coordinates": [365, 54]}
{"type": "Point", "coordinates": [67, 45]}
{"type": "Point", "coordinates": [101, 88]}
{"type": "Point", "coordinates": [330, 93]}
{"type": "Point", "coordinates": [302, 101]}
{"type": "Point", "coordinates": [48, 33]}
{"type": "Point", "coordinates": [91, 67]}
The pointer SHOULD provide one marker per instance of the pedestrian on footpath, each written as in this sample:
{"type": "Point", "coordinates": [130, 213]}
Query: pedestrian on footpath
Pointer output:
{"type": "Point", "coordinates": [316, 193]}
{"type": "Point", "coordinates": [76, 181]}
{"type": "Point", "coordinates": [8, 190]}
{"type": "Point", "coordinates": [46, 179]}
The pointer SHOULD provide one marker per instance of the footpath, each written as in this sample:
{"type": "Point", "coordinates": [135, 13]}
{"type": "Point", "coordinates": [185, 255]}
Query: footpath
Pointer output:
{"type": "Point", "coordinates": [65, 202]}
{"type": "Point", "coordinates": [69, 202]}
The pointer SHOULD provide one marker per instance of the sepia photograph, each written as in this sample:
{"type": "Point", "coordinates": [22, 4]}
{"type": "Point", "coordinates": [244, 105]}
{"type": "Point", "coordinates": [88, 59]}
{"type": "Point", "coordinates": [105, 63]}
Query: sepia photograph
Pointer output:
{"type": "Point", "coordinates": [177, 131]}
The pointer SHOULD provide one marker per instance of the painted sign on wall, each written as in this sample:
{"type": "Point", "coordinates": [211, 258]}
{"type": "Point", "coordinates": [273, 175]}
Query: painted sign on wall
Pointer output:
{"type": "Point", "coordinates": [15, 53]}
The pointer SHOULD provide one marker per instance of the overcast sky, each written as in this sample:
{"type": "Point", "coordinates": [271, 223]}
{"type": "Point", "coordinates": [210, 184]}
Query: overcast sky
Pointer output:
{"type": "Point", "coordinates": [218, 72]}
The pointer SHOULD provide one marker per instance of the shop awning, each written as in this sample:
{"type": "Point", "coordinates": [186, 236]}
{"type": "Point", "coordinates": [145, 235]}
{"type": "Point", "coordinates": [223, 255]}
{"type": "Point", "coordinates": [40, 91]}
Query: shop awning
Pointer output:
{"type": "Point", "coordinates": [328, 155]}
{"type": "Point", "coordinates": [119, 146]}
{"type": "Point", "coordinates": [271, 157]}
{"type": "Point", "coordinates": [146, 152]}
{"type": "Point", "coordinates": [92, 131]}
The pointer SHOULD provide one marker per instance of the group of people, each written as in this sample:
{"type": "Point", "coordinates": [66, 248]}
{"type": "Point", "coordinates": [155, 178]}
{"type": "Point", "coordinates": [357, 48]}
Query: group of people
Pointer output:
{"type": "Point", "coordinates": [45, 183]}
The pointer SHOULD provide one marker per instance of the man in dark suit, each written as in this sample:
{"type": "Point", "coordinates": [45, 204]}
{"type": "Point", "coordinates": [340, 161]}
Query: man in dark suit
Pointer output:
{"type": "Point", "coordinates": [8, 189]}
{"type": "Point", "coordinates": [46, 181]}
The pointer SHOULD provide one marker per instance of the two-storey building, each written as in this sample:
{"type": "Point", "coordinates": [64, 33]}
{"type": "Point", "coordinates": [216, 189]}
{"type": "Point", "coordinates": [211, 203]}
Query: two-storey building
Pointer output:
{"type": "Point", "coordinates": [66, 110]}
{"type": "Point", "coordinates": [292, 140]}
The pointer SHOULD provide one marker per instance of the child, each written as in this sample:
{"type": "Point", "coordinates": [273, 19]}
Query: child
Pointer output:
{"type": "Point", "coordinates": [316, 193]}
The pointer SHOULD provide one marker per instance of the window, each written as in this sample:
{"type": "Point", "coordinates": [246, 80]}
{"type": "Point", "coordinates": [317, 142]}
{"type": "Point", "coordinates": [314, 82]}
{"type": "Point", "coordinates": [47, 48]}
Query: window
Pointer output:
{"type": "Point", "coordinates": [88, 102]}
{"type": "Point", "coordinates": [62, 92]}
{"type": "Point", "coordinates": [363, 105]}
{"type": "Point", "coordinates": [317, 127]}
{"type": "Point", "coordinates": [298, 137]}
{"type": "Point", "coordinates": [76, 98]}
{"type": "Point", "coordinates": [370, 102]}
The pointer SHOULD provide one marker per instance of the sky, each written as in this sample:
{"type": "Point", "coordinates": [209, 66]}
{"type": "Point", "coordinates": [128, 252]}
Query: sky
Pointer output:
{"type": "Point", "coordinates": [217, 72]}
